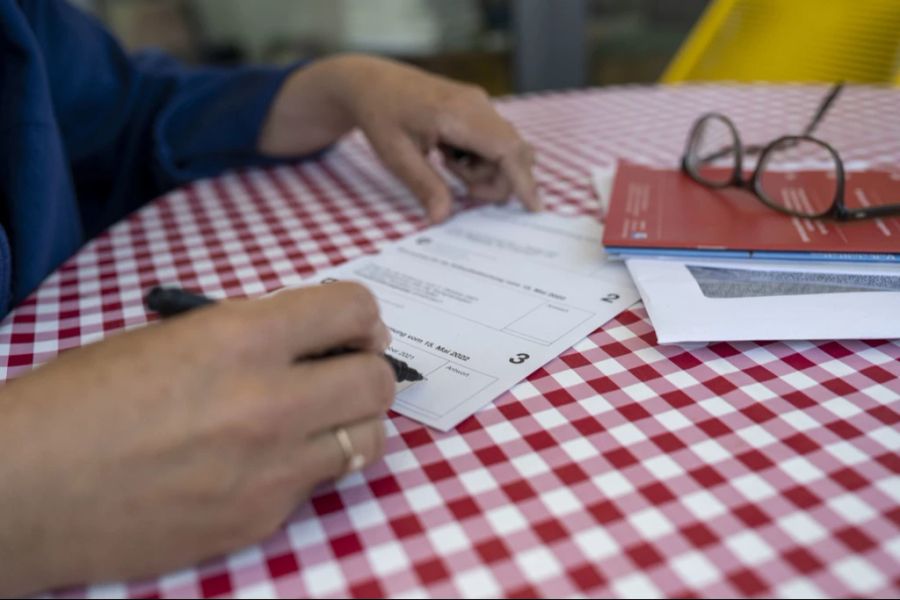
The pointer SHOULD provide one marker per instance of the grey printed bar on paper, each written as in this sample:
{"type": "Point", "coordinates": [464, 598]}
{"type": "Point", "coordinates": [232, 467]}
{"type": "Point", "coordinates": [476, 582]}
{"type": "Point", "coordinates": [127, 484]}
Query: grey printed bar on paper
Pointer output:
{"type": "Point", "coordinates": [717, 282]}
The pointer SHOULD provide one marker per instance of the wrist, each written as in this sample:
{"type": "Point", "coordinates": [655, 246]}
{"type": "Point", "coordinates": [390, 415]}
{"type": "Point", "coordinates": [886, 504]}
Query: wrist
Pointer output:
{"type": "Point", "coordinates": [310, 111]}
{"type": "Point", "coordinates": [342, 75]}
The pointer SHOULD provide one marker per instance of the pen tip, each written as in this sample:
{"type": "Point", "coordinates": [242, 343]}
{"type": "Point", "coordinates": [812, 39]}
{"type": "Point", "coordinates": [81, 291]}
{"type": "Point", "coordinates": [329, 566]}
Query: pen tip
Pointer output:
{"type": "Point", "coordinates": [410, 374]}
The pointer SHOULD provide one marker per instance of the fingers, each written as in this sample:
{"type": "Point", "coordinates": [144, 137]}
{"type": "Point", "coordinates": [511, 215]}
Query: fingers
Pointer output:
{"type": "Point", "coordinates": [327, 392]}
{"type": "Point", "coordinates": [405, 160]}
{"type": "Point", "coordinates": [305, 322]}
{"type": "Point", "coordinates": [478, 146]}
{"type": "Point", "coordinates": [466, 165]}
{"type": "Point", "coordinates": [490, 182]}
{"type": "Point", "coordinates": [484, 180]}
{"type": "Point", "coordinates": [509, 164]}
{"type": "Point", "coordinates": [473, 125]}
{"type": "Point", "coordinates": [517, 163]}
{"type": "Point", "coordinates": [366, 439]}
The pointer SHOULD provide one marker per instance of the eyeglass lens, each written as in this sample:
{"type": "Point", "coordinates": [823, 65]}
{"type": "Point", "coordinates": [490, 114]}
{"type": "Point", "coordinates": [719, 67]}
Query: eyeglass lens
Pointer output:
{"type": "Point", "coordinates": [712, 155]}
{"type": "Point", "coordinates": [799, 176]}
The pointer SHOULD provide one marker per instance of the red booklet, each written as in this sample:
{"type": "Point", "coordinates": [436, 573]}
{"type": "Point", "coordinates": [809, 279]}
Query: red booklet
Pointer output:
{"type": "Point", "coordinates": [665, 212]}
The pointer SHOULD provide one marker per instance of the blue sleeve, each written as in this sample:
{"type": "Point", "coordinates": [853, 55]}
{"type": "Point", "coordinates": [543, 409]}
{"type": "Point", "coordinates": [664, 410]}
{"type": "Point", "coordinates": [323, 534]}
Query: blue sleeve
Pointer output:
{"type": "Point", "coordinates": [134, 127]}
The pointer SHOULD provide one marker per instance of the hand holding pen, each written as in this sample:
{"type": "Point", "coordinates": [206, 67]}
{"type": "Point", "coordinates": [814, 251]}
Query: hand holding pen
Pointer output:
{"type": "Point", "coordinates": [201, 433]}
{"type": "Point", "coordinates": [171, 301]}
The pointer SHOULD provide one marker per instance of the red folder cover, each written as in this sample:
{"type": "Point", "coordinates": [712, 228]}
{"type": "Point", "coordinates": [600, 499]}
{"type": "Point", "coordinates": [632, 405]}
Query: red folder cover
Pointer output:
{"type": "Point", "coordinates": [663, 211]}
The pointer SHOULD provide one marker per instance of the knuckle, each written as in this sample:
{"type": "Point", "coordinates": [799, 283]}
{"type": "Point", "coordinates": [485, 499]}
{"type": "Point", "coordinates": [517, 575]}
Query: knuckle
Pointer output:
{"type": "Point", "coordinates": [236, 330]}
{"type": "Point", "coordinates": [360, 306]}
{"type": "Point", "coordinates": [474, 92]}
{"type": "Point", "coordinates": [464, 98]}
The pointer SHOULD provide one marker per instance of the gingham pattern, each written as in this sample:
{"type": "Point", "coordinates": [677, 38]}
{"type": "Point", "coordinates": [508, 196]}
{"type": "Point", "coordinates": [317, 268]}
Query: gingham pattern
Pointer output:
{"type": "Point", "coordinates": [621, 468]}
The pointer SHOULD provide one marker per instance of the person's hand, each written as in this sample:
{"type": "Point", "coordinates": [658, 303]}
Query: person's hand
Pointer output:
{"type": "Point", "coordinates": [179, 441]}
{"type": "Point", "coordinates": [405, 113]}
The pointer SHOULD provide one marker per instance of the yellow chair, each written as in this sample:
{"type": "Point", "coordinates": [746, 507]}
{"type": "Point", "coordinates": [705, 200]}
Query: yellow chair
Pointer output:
{"type": "Point", "coordinates": [792, 40]}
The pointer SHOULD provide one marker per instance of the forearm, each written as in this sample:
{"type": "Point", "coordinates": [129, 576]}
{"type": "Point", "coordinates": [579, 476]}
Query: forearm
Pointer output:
{"type": "Point", "coordinates": [324, 100]}
{"type": "Point", "coordinates": [26, 566]}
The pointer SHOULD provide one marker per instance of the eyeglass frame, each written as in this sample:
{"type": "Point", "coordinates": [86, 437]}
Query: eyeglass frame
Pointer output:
{"type": "Point", "coordinates": [837, 210]}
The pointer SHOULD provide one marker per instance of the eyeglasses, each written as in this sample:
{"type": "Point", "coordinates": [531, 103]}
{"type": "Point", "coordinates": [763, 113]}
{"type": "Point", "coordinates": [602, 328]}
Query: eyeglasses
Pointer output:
{"type": "Point", "coordinates": [714, 157]}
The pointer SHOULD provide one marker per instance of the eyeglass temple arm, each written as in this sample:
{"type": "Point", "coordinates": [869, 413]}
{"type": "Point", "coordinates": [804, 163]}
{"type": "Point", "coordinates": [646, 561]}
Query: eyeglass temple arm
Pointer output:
{"type": "Point", "coordinates": [874, 211]}
{"type": "Point", "coordinates": [823, 108]}
{"type": "Point", "coordinates": [817, 118]}
{"type": "Point", "coordinates": [753, 149]}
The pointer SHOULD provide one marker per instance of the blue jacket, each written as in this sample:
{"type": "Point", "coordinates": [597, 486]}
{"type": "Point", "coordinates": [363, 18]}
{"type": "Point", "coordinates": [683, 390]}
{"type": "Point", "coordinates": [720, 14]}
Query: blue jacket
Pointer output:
{"type": "Point", "coordinates": [88, 134]}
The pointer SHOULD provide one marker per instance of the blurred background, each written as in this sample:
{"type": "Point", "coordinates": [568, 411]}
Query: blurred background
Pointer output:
{"type": "Point", "coordinates": [504, 45]}
{"type": "Point", "coordinates": [515, 46]}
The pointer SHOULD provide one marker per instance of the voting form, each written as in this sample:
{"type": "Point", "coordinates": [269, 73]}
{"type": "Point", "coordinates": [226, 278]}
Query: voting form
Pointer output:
{"type": "Point", "coordinates": [480, 302]}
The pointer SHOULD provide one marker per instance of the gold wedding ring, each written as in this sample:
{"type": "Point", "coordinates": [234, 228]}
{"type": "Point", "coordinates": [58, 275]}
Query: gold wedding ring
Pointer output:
{"type": "Point", "coordinates": [352, 458]}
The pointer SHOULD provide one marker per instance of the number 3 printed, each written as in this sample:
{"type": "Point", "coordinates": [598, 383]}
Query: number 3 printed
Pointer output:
{"type": "Point", "coordinates": [518, 359]}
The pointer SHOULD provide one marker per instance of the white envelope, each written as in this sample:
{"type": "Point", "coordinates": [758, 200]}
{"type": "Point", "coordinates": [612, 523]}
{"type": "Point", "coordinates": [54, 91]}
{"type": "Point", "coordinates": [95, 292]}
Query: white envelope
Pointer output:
{"type": "Point", "coordinates": [718, 300]}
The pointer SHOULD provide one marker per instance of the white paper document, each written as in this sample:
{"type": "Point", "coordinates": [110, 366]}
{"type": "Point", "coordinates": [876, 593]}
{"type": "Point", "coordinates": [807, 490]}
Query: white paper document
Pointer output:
{"type": "Point", "coordinates": [482, 301]}
{"type": "Point", "coordinates": [603, 178]}
{"type": "Point", "coordinates": [722, 300]}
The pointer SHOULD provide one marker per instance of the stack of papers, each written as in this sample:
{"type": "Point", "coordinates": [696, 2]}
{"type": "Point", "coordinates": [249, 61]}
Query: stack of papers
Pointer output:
{"type": "Point", "coordinates": [663, 212]}
{"type": "Point", "coordinates": [696, 290]}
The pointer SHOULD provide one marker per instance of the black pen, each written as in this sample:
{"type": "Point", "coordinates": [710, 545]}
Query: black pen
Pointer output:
{"type": "Point", "coordinates": [171, 301]}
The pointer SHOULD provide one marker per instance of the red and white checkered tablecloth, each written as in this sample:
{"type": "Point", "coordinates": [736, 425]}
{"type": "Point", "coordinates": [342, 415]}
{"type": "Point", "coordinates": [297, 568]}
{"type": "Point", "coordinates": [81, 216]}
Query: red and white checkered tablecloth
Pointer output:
{"type": "Point", "coordinates": [621, 468]}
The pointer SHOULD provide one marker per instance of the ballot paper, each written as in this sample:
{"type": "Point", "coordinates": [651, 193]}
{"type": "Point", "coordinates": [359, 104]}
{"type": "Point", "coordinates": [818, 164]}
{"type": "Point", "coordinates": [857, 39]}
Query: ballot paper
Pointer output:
{"type": "Point", "coordinates": [723, 300]}
{"type": "Point", "coordinates": [480, 302]}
